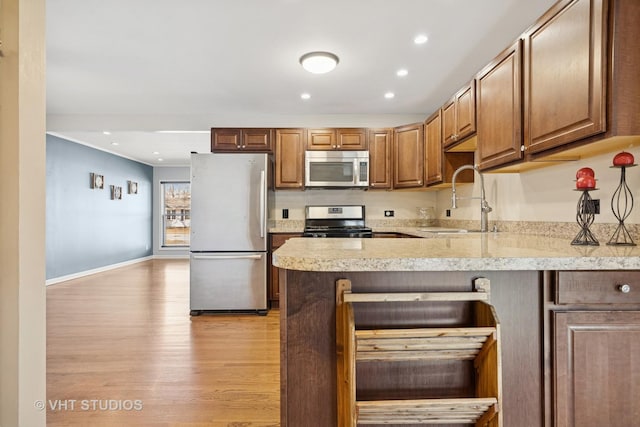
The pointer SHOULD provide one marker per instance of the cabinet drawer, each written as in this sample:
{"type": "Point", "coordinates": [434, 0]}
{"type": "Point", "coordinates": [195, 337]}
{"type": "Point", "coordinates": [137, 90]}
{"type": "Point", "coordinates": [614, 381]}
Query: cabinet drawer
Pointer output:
{"type": "Point", "coordinates": [598, 287]}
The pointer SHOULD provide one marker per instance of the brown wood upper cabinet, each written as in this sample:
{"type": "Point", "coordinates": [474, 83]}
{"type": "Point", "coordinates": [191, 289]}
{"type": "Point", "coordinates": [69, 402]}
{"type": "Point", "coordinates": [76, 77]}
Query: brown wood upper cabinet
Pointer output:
{"type": "Point", "coordinates": [289, 164]}
{"type": "Point", "coordinates": [499, 104]}
{"type": "Point", "coordinates": [565, 71]}
{"type": "Point", "coordinates": [337, 139]}
{"type": "Point", "coordinates": [459, 116]}
{"type": "Point", "coordinates": [441, 165]}
{"type": "Point", "coordinates": [225, 140]}
{"type": "Point", "coordinates": [380, 141]}
{"type": "Point", "coordinates": [433, 148]}
{"type": "Point", "coordinates": [408, 156]}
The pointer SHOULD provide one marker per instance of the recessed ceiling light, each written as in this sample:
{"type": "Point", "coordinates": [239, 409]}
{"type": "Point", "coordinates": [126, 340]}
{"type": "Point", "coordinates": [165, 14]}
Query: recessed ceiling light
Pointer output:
{"type": "Point", "coordinates": [389, 95]}
{"type": "Point", "coordinates": [160, 159]}
{"type": "Point", "coordinates": [305, 96]}
{"type": "Point", "coordinates": [155, 153]}
{"type": "Point", "coordinates": [114, 143]}
{"type": "Point", "coordinates": [106, 132]}
{"type": "Point", "coordinates": [402, 72]}
{"type": "Point", "coordinates": [319, 62]}
{"type": "Point", "coordinates": [420, 39]}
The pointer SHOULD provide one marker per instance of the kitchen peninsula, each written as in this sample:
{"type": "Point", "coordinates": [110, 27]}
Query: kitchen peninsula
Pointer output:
{"type": "Point", "coordinates": [569, 315]}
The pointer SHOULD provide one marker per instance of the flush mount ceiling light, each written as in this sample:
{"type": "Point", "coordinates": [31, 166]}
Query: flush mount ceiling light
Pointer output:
{"type": "Point", "coordinates": [319, 62]}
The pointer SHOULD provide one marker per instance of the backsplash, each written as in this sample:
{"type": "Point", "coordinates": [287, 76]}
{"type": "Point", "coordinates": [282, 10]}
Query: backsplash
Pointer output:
{"type": "Point", "coordinates": [404, 203]}
{"type": "Point", "coordinates": [541, 201]}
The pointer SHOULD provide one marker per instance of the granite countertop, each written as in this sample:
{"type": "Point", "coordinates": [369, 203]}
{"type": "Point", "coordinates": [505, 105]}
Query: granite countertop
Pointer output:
{"type": "Point", "coordinates": [452, 252]}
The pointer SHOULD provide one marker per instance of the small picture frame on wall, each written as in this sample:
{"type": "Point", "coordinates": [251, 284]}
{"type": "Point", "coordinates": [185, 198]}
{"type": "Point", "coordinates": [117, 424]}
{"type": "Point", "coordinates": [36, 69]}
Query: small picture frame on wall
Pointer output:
{"type": "Point", "coordinates": [132, 187]}
{"type": "Point", "coordinates": [116, 192]}
{"type": "Point", "coordinates": [97, 181]}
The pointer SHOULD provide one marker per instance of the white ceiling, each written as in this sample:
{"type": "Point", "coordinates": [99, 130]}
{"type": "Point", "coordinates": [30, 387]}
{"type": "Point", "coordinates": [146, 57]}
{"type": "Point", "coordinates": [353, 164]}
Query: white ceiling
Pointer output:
{"type": "Point", "coordinates": [135, 67]}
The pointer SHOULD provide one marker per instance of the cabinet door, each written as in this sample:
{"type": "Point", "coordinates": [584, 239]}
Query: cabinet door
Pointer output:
{"type": "Point", "coordinates": [466, 111]}
{"type": "Point", "coordinates": [225, 139]}
{"type": "Point", "coordinates": [499, 98]}
{"type": "Point", "coordinates": [449, 123]}
{"type": "Point", "coordinates": [433, 148]}
{"type": "Point", "coordinates": [380, 158]}
{"type": "Point", "coordinates": [597, 368]}
{"type": "Point", "coordinates": [276, 240]}
{"type": "Point", "coordinates": [351, 139]}
{"type": "Point", "coordinates": [565, 75]}
{"type": "Point", "coordinates": [289, 149]}
{"type": "Point", "coordinates": [459, 116]}
{"type": "Point", "coordinates": [408, 156]}
{"type": "Point", "coordinates": [256, 139]}
{"type": "Point", "coordinates": [321, 139]}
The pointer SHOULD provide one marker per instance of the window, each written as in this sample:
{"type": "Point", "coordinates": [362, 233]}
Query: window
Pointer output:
{"type": "Point", "coordinates": [176, 213]}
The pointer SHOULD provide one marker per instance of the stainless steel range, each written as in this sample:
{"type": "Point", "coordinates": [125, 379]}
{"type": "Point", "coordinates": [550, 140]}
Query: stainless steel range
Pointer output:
{"type": "Point", "coordinates": [336, 221]}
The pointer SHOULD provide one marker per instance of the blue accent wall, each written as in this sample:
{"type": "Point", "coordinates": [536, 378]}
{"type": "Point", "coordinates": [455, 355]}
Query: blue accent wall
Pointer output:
{"type": "Point", "coordinates": [85, 228]}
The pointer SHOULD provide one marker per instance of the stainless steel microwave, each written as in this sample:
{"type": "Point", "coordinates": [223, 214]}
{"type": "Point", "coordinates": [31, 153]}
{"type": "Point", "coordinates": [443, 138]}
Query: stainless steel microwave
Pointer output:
{"type": "Point", "coordinates": [336, 169]}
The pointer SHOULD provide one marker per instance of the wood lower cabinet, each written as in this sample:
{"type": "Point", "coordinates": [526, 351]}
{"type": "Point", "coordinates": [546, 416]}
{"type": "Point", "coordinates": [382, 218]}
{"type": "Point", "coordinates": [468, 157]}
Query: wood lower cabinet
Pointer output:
{"type": "Point", "coordinates": [597, 368]}
{"type": "Point", "coordinates": [247, 139]}
{"type": "Point", "coordinates": [459, 116]}
{"type": "Point", "coordinates": [289, 147]}
{"type": "Point", "coordinates": [593, 343]}
{"type": "Point", "coordinates": [273, 288]}
{"type": "Point", "coordinates": [408, 156]}
{"type": "Point", "coordinates": [565, 74]}
{"type": "Point", "coordinates": [380, 141]}
{"type": "Point", "coordinates": [499, 109]}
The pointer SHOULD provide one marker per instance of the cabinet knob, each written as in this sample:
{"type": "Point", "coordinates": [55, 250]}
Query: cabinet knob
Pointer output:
{"type": "Point", "coordinates": [624, 288]}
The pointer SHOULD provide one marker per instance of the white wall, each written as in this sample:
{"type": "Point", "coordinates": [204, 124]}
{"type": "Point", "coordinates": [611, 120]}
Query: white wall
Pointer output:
{"type": "Point", "coordinates": [545, 194]}
{"type": "Point", "coordinates": [161, 174]}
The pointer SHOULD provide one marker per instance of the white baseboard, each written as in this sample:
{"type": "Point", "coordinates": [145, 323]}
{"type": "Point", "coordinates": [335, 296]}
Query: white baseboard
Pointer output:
{"type": "Point", "coordinates": [111, 267]}
{"type": "Point", "coordinates": [95, 270]}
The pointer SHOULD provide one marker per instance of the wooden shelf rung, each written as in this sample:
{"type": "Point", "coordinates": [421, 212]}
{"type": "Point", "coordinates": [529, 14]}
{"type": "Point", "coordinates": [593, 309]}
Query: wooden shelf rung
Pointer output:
{"type": "Point", "coordinates": [416, 355]}
{"type": "Point", "coordinates": [420, 343]}
{"type": "Point", "coordinates": [424, 411]}
{"type": "Point", "coordinates": [425, 332]}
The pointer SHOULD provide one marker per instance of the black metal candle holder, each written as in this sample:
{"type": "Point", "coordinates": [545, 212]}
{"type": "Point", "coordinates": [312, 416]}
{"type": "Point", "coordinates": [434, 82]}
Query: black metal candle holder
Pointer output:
{"type": "Point", "coordinates": [584, 216]}
{"type": "Point", "coordinates": [621, 205]}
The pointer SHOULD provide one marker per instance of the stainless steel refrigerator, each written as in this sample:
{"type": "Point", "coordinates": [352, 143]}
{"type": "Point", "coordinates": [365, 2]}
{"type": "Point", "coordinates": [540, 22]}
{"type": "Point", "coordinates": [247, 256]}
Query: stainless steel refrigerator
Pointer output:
{"type": "Point", "coordinates": [230, 200]}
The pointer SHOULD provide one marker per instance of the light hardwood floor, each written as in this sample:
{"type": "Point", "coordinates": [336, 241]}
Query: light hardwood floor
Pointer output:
{"type": "Point", "coordinates": [124, 338]}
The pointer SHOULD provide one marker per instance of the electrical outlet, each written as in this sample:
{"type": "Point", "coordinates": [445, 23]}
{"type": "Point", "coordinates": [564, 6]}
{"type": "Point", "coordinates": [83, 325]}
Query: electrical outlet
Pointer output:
{"type": "Point", "coordinates": [448, 212]}
{"type": "Point", "coordinates": [389, 213]}
{"type": "Point", "coordinates": [285, 213]}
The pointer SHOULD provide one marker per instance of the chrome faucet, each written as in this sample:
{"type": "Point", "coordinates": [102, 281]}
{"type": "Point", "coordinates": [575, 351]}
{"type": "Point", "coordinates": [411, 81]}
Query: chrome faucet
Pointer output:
{"type": "Point", "coordinates": [484, 206]}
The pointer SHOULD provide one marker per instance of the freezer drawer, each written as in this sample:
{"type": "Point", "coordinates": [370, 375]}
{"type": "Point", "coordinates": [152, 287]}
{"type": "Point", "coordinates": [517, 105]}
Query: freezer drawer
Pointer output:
{"type": "Point", "coordinates": [228, 281]}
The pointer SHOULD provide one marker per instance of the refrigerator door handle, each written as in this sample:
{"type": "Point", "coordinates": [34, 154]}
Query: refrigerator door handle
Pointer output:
{"type": "Point", "coordinates": [223, 257]}
{"type": "Point", "coordinates": [262, 204]}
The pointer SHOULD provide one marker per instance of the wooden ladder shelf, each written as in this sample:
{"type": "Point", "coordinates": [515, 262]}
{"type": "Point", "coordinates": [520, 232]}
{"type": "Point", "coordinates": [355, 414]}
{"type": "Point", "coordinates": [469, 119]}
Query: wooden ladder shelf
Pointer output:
{"type": "Point", "coordinates": [479, 342]}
